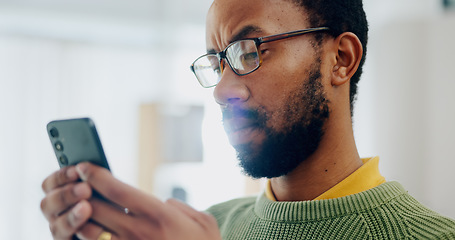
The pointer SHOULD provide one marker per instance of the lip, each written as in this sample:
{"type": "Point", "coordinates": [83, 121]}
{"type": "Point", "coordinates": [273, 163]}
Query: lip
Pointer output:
{"type": "Point", "coordinates": [240, 130]}
{"type": "Point", "coordinates": [237, 123]}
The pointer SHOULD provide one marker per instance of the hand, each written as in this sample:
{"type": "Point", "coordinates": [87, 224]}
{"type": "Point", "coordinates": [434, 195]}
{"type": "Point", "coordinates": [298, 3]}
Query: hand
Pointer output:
{"type": "Point", "coordinates": [66, 205]}
{"type": "Point", "coordinates": [147, 218]}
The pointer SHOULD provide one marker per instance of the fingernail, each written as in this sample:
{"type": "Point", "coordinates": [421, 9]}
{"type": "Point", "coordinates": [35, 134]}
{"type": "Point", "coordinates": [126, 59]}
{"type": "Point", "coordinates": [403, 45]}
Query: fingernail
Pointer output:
{"type": "Point", "coordinates": [77, 210]}
{"type": "Point", "coordinates": [81, 168]}
{"type": "Point", "coordinates": [80, 235]}
{"type": "Point", "coordinates": [76, 214]}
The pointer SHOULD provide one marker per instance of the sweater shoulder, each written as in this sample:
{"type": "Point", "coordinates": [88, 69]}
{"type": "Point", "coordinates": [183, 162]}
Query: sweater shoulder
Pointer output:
{"type": "Point", "coordinates": [222, 211]}
{"type": "Point", "coordinates": [420, 221]}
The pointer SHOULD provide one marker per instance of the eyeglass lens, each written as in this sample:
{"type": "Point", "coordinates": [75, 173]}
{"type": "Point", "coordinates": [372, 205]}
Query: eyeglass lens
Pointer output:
{"type": "Point", "coordinates": [208, 70]}
{"type": "Point", "coordinates": [242, 56]}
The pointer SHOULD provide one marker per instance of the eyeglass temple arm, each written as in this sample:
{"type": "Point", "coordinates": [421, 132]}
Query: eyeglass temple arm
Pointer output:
{"type": "Point", "coordinates": [289, 34]}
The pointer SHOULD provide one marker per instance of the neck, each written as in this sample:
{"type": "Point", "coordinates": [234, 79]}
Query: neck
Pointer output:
{"type": "Point", "coordinates": [334, 160]}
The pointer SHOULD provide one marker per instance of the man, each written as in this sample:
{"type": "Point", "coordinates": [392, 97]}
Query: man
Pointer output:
{"type": "Point", "coordinates": [285, 74]}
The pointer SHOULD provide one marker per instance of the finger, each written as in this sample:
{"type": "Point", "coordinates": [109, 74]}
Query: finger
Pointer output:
{"type": "Point", "coordinates": [66, 225]}
{"type": "Point", "coordinates": [93, 231]}
{"type": "Point", "coordinates": [61, 199]}
{"type": "Point", "coordinates": [184, 208]}
{"type": "Point", "coordinates": [60, 178]}
{"type": "Point", "coordinates": [202, 218]}
{"type": "Point", "coordinates": [116, 191]}
{"type": "Point", "coordinates": [109, 215]}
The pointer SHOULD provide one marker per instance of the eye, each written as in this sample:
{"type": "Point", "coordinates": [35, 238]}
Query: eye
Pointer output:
{"type": "Point", "coordinates": [249, 56]}
{"type": "Point", "coordinates": [250, 59]}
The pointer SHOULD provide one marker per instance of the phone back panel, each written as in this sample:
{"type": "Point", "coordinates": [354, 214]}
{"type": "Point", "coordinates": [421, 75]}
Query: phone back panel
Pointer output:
{"type": "Point", "coordinates": [76, 140]}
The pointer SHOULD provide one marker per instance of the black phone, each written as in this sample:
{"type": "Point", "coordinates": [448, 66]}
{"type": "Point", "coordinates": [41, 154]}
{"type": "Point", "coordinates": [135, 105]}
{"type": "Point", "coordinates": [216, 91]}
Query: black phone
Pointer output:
{"type": "Point", "coordinates": [76, 140]}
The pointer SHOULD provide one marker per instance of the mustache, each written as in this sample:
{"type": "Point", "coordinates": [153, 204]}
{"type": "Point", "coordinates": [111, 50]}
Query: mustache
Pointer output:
{"type": "Point", "coordinates": [236, 112]}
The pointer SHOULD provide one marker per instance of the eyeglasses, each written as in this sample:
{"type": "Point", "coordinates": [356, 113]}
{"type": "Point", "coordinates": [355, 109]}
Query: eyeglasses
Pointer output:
{"type": "Point", "coordinates": [242, 56]}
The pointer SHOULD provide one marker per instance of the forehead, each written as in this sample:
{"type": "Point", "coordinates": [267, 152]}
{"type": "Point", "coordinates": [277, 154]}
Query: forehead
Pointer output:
{"type": "Point", "coordinates": [226, 18]}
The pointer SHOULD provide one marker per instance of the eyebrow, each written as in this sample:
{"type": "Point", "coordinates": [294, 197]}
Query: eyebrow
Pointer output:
{"type": "Point", "coordinates": [245, 31]}
{"type": "Point", "coordinates": [242, 34]}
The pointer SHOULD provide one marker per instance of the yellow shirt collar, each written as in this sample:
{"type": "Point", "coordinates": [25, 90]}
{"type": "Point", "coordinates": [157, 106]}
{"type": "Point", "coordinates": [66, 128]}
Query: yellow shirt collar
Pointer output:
{"type": "Point", "coordinates": [364, 178]}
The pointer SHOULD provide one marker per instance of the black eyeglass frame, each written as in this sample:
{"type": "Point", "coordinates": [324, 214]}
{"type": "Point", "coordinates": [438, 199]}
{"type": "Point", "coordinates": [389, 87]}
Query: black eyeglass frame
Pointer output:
{"type": "Point", "coordinates": [258, 41]}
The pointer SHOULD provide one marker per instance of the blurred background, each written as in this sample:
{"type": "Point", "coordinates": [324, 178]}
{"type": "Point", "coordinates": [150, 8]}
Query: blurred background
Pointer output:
{"type": "Point", "coordinates": [125, 64]}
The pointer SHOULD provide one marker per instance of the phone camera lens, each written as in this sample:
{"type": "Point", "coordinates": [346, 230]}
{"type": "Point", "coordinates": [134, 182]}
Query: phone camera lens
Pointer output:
{"type": "Point", "coordinates": [54, 132]}
{"type": "Point", "coordinates": [59, 146]}
{"type": "Point", "coordinates": [63, 160]}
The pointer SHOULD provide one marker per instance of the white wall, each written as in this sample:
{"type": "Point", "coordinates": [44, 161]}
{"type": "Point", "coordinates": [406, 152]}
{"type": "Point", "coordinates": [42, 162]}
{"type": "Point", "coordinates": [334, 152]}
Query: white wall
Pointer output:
{"type": "Point", "coordinates": [103, 59]}
{"type": "Point", "coordinates": [61, 63]}
{"type": "Point", "coordinates": [441, 118]}
{"type": "Point", "coordinates": [406, 105]}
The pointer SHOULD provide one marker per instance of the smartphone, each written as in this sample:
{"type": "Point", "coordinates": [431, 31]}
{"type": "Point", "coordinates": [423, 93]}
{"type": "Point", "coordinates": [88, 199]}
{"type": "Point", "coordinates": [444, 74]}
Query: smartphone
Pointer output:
{"type": "Point", "coordinates": [75, 141]}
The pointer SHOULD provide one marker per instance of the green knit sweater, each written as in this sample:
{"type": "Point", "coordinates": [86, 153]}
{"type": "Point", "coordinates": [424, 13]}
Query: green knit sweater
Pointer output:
{"type": "Point", "coordinates": [384, 212]}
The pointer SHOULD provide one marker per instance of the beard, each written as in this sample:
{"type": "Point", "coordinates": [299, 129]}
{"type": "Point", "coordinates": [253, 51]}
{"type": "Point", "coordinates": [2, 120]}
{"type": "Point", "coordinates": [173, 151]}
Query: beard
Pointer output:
{"type": "Point", "coordinates": [303, 116]}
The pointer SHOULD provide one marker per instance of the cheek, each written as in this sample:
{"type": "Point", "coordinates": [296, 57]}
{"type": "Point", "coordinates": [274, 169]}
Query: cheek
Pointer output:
{"type": "Point", "coordinates": [287, 112]}
{"type": "Point", "coordinates": [299, 103]}
{"type": "Point", "coordinates": [279, 75]}
{"type": "Point", "coordinates": [281, 103]}
{"type": "Point", "coordinates": [278, 81]}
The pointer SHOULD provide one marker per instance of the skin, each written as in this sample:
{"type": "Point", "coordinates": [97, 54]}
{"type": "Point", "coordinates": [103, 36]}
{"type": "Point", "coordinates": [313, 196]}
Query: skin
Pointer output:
{"type": "Point", "coordinates": [68, 205]}
{"type": "Point", "coordinates": [284, 64]}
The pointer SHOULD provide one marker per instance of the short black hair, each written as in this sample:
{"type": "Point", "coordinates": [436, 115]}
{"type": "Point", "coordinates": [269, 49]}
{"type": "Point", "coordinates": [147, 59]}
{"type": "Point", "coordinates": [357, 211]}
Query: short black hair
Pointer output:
{"type": "Point", "coordinates": [340, 16]}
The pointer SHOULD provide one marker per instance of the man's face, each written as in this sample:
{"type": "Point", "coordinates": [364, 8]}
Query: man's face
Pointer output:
{"type": "Point", "coordinates": [274, 116]}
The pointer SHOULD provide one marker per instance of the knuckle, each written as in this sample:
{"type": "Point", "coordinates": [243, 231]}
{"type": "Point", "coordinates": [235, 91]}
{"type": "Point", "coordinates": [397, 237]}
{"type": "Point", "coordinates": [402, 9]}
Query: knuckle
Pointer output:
{"type": "Point", "coordinates": [49, 183]}
{"type": "Point", "coordinates": [44, 185]}
{"type": "Point", "coordinates": [210, 219]}
{"type": "Point", "coordinates": [45, 209]}
{"type": "Point", "coordinates": [66, 196]}
{"type": "Point", "coordinates": [145, 232]}
{"type": "Point", "coordinates": [59, 200]}
{"type": "Point", "coordinates": [61, 196]}
{"type": "Point", "coordinates": [54, 180]}
{"type": "Point", "coordinates": [160, 216]}
{"type": "Point", "coordinates": [207, 221]}
{"type": "Point", "coordinates": [169, 201]}
{"type": "Point", "coordinates": [60, 177]}
{"type": "Point", "coordinates": [135, 231]}
{"type": "Point", "coordinates": [43, 204]}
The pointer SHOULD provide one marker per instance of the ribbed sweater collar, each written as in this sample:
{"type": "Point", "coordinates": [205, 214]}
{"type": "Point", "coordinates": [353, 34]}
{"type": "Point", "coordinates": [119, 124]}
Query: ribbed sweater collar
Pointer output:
{"type": "Point", "coordinates": [323, 209]}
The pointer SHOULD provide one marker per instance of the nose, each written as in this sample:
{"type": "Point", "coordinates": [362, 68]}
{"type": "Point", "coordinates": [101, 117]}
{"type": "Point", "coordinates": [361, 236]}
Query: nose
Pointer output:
{"type": "Point", "coordinates": [231, 90]}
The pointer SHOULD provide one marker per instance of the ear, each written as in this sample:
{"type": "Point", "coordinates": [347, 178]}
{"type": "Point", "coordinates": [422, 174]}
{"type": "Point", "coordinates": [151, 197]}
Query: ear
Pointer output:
{"type": "Point", "coordinates": [349, 53]}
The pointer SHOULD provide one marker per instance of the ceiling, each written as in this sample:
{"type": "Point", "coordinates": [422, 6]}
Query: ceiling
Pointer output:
{"type": "Point", "coordinates": [120, 21]}
{"type": "Point", "coordinates": [156, 10]}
